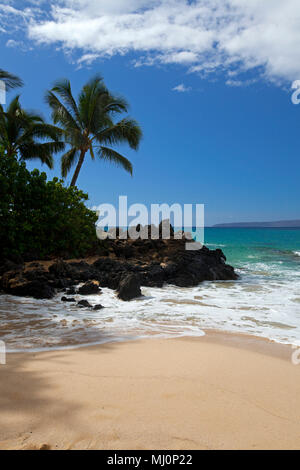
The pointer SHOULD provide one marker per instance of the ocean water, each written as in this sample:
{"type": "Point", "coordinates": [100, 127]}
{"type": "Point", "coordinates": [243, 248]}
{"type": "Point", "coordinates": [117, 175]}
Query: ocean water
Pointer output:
{"type": "Point", "coordinates": [265, 301]}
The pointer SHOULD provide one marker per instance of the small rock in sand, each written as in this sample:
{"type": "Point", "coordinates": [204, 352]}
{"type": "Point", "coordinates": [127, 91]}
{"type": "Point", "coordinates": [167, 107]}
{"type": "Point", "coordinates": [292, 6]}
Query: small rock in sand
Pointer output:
{"type": "Point", "coordinates": [84, 303]}
{"type": "Point", "coordinates": [68, 299]}
{"type": "Point", "coordinates": [98, 307]}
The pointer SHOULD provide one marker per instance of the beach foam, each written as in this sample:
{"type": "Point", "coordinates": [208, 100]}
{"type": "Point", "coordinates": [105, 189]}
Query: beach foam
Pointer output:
{"type": "Point", "coordinates": [256, 304]}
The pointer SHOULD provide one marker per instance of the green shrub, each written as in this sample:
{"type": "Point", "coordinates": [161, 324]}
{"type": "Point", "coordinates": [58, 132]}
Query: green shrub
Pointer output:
{"type": "Point", "coordinates": [40, 218]}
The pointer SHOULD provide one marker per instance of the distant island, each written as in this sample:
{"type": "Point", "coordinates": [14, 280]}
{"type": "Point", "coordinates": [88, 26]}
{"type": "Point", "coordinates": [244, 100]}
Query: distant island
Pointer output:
{"type": "Point", "coordinates": [278, 224]}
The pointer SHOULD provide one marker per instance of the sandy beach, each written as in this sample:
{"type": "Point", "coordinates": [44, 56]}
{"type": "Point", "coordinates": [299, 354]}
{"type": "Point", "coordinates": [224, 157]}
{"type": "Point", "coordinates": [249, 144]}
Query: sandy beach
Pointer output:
{"type": "Point", "coordinates": [215, 392]}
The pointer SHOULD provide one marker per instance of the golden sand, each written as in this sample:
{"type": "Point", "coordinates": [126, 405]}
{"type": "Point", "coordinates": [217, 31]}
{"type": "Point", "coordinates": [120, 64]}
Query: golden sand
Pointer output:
{"type": "Point", "coordinates": [215, 392]}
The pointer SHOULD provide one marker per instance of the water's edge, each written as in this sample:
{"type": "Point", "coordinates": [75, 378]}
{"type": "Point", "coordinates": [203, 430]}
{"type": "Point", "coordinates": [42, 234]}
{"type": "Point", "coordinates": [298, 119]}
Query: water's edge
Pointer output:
{"type": "Point", "coordinates": [264, 302]}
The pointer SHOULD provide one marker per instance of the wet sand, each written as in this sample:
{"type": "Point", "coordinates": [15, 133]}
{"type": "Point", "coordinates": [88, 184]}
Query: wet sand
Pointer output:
{"type": "Point", "coordinates": [215, 392]}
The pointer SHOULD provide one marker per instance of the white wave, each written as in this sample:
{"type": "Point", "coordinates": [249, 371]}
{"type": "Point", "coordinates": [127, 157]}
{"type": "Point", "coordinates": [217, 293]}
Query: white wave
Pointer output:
{"type": "Point", "coordinates": [215, 245]}
{"type": "Point", "coordinates": [262, 305]}
{"type": "Point", "coordinates": [297, 253]}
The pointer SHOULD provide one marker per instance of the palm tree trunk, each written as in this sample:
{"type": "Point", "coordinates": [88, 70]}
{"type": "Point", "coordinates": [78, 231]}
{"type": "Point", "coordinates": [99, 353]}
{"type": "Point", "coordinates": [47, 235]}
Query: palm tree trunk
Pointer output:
{"type": "Point", "coordinates": [78, 167]}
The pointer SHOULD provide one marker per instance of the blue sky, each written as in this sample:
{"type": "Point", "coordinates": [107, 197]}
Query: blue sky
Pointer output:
{"type": "Point", "coordinates": [228, 136]}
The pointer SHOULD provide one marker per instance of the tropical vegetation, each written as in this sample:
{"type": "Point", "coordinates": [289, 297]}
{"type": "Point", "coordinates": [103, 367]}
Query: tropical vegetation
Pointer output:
{"type": "Point", "coordinates": [89, 126]}
{"type": "Point", "coordinates": [41, 218]}
{"type": "Point", "coordinates": [10, 80]}
{"type": "Point", "coordinates": [23, 133]}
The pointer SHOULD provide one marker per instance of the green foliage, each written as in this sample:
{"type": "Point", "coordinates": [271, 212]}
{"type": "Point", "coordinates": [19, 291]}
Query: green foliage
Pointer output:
{"type": "Point", "coordinates": [27, 135]}
{"type": "Point", "coordinates": [10, 80]}
{"type": "Point", "coordinates": [40, 218]}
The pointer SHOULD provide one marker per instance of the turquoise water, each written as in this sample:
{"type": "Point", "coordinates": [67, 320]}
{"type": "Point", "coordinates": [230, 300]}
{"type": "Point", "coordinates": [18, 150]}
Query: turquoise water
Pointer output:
{"type": "Point", "coordinates": [277, 249]}
{"type": "Point", "coordinates": [265, 301]}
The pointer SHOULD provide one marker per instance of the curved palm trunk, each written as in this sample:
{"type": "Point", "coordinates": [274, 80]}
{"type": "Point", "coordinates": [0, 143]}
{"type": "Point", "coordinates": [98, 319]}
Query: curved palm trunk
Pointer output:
{"type": "Point", "coordinates": [78, 167]}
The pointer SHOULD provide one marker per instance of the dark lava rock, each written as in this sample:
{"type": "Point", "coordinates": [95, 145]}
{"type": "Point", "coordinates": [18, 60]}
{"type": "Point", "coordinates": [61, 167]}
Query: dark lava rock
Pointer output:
{"type": "Point", "coordinates": [26, 283]}
{"type": "Point", "coordinates": [129, 265]}
{"type": "Point", "coordinates": [8, 265]}
{"type": "Point", "coordinates": [61, 283]}
{"type": "Point", "coordinates": [83, 271]}
{"type": "Point", "coordinates": [129, 287]}
{"type": "Point", "coordinates": [89, 288]}
{"type": "Point", "coordinates": [60, 269]}
{"type": "Point", "coordinates": [68, 299]}
{"type": "Point", "coordinates": [84, 303]}
{"type": "Point", "coordinates": [38, 274]}
{"type": "Point", "coordinates": [67, 274]}
{"type": "Point", "coordinates": [18, 285]}
{"type": "Point", "coordinates": [35, 265]}
{"type": "Point", "coordinates": [98, 307]}
{"type": "Point", "coordinates": [166, 229]}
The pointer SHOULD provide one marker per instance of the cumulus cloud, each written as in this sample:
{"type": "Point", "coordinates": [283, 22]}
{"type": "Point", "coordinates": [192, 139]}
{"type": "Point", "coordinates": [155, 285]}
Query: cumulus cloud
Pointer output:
{"type": "Point", "coordinates": [205, 36]}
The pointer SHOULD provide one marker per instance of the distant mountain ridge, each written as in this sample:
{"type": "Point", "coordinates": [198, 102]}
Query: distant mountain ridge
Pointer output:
{"type": "Point", "coordinates": [277, 224]}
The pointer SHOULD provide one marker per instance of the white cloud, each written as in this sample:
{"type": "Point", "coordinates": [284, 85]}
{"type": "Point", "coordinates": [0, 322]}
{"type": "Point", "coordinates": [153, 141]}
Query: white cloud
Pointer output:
{"type": "Point", "coordinates": [203, 35]}
{"type": "Point", "coordinates": [87, 59]}
{"type": "Point", "coordinates": [181, 88]}
{"type": "Point", "coordinates": [239, 83]}
{"type": "Point", "coordinates": [13, 44]}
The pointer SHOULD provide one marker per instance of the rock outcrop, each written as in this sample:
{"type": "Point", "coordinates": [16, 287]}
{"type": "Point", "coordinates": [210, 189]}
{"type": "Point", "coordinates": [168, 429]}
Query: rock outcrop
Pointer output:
{"type": "Point", "coordinates": [89, 288]}
{"type": "Point", "coordinates": [128, 265]}
{"type": "Point", "coordinates": [129, 287]}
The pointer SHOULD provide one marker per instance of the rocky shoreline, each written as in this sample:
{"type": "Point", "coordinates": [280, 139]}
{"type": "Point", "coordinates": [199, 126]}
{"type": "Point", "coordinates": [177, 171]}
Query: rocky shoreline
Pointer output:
{"type": "Point", "coordinates": [125, 266]}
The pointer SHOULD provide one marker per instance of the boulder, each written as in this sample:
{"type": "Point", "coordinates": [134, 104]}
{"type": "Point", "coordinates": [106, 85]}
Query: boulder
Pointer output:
{"type": "Point", "coordinates": [82, 271]}
{"type": "Point", "coordinates": [89, 288]}
{"type": "Point", "coordinates": [61, 283]}
{"type": "Point", "coordinates": [20, 286]}
{"type": "Point", "coordinates": [8, 266]}
{"type": "Point", "coordinates": [60, 269]}
{"type": "Point", "coordinates": [166, 230]}
{"type": "Point", "coordinates": [129, 287]}
{"type": "Point", "coordinates": [84, 304]}
{"type": "Point", "coordinates": [37, 274]}
{"type": "Point", "coordinates": [68, 299]}
{"type": "Point", "coordinates": [98, 307]}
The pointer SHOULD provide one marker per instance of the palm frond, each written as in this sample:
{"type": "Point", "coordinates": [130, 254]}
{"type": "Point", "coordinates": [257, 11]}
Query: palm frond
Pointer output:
{"type": "Point", "coordinates": [14, 106]}
{"type": "Point", "coordinates": [42, 152]}
{"type": "Point", "coordinates": [21, 131]}
{"type": "Point", "coordinates": [60, 114]}
{"type": "Point", "coordinates": [89, 98]}
{"type": "Point", "coordinates": [116, 104]}
{"type": "Point", "coordinates": [114, 157]}
{"type": "Point", "coordinates": [10, 80]}
{"type": "Point", "coordinates": [64, 90]}
{"type": "Point", "coordinates": [125, 131]}
{"type": "Point", "coordinates": [67, 161]}
{"type": "Point", "coordinates": [43, 131]}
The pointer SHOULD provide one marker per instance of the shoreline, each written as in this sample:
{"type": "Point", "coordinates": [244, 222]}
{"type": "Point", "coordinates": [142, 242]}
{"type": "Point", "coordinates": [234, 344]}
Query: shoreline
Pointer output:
{"type": "Point", "coordinates": [219, 391]}
{"type": "Point", "coordinates": [224, 337]}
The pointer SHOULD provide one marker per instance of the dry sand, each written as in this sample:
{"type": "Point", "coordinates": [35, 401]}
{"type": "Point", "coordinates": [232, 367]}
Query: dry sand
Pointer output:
{"type": "Point", "coordinates": [215, 392]}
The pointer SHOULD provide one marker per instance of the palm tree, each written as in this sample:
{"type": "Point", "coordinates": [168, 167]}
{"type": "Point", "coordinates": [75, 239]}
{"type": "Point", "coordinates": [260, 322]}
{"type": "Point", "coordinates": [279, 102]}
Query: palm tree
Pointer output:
{"type": "Point", "coordinates": [21, 133]}
{"type": "Point", "coordinates": [88, 124]}
{"type": "Point", "coordinates": [10, 80]}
